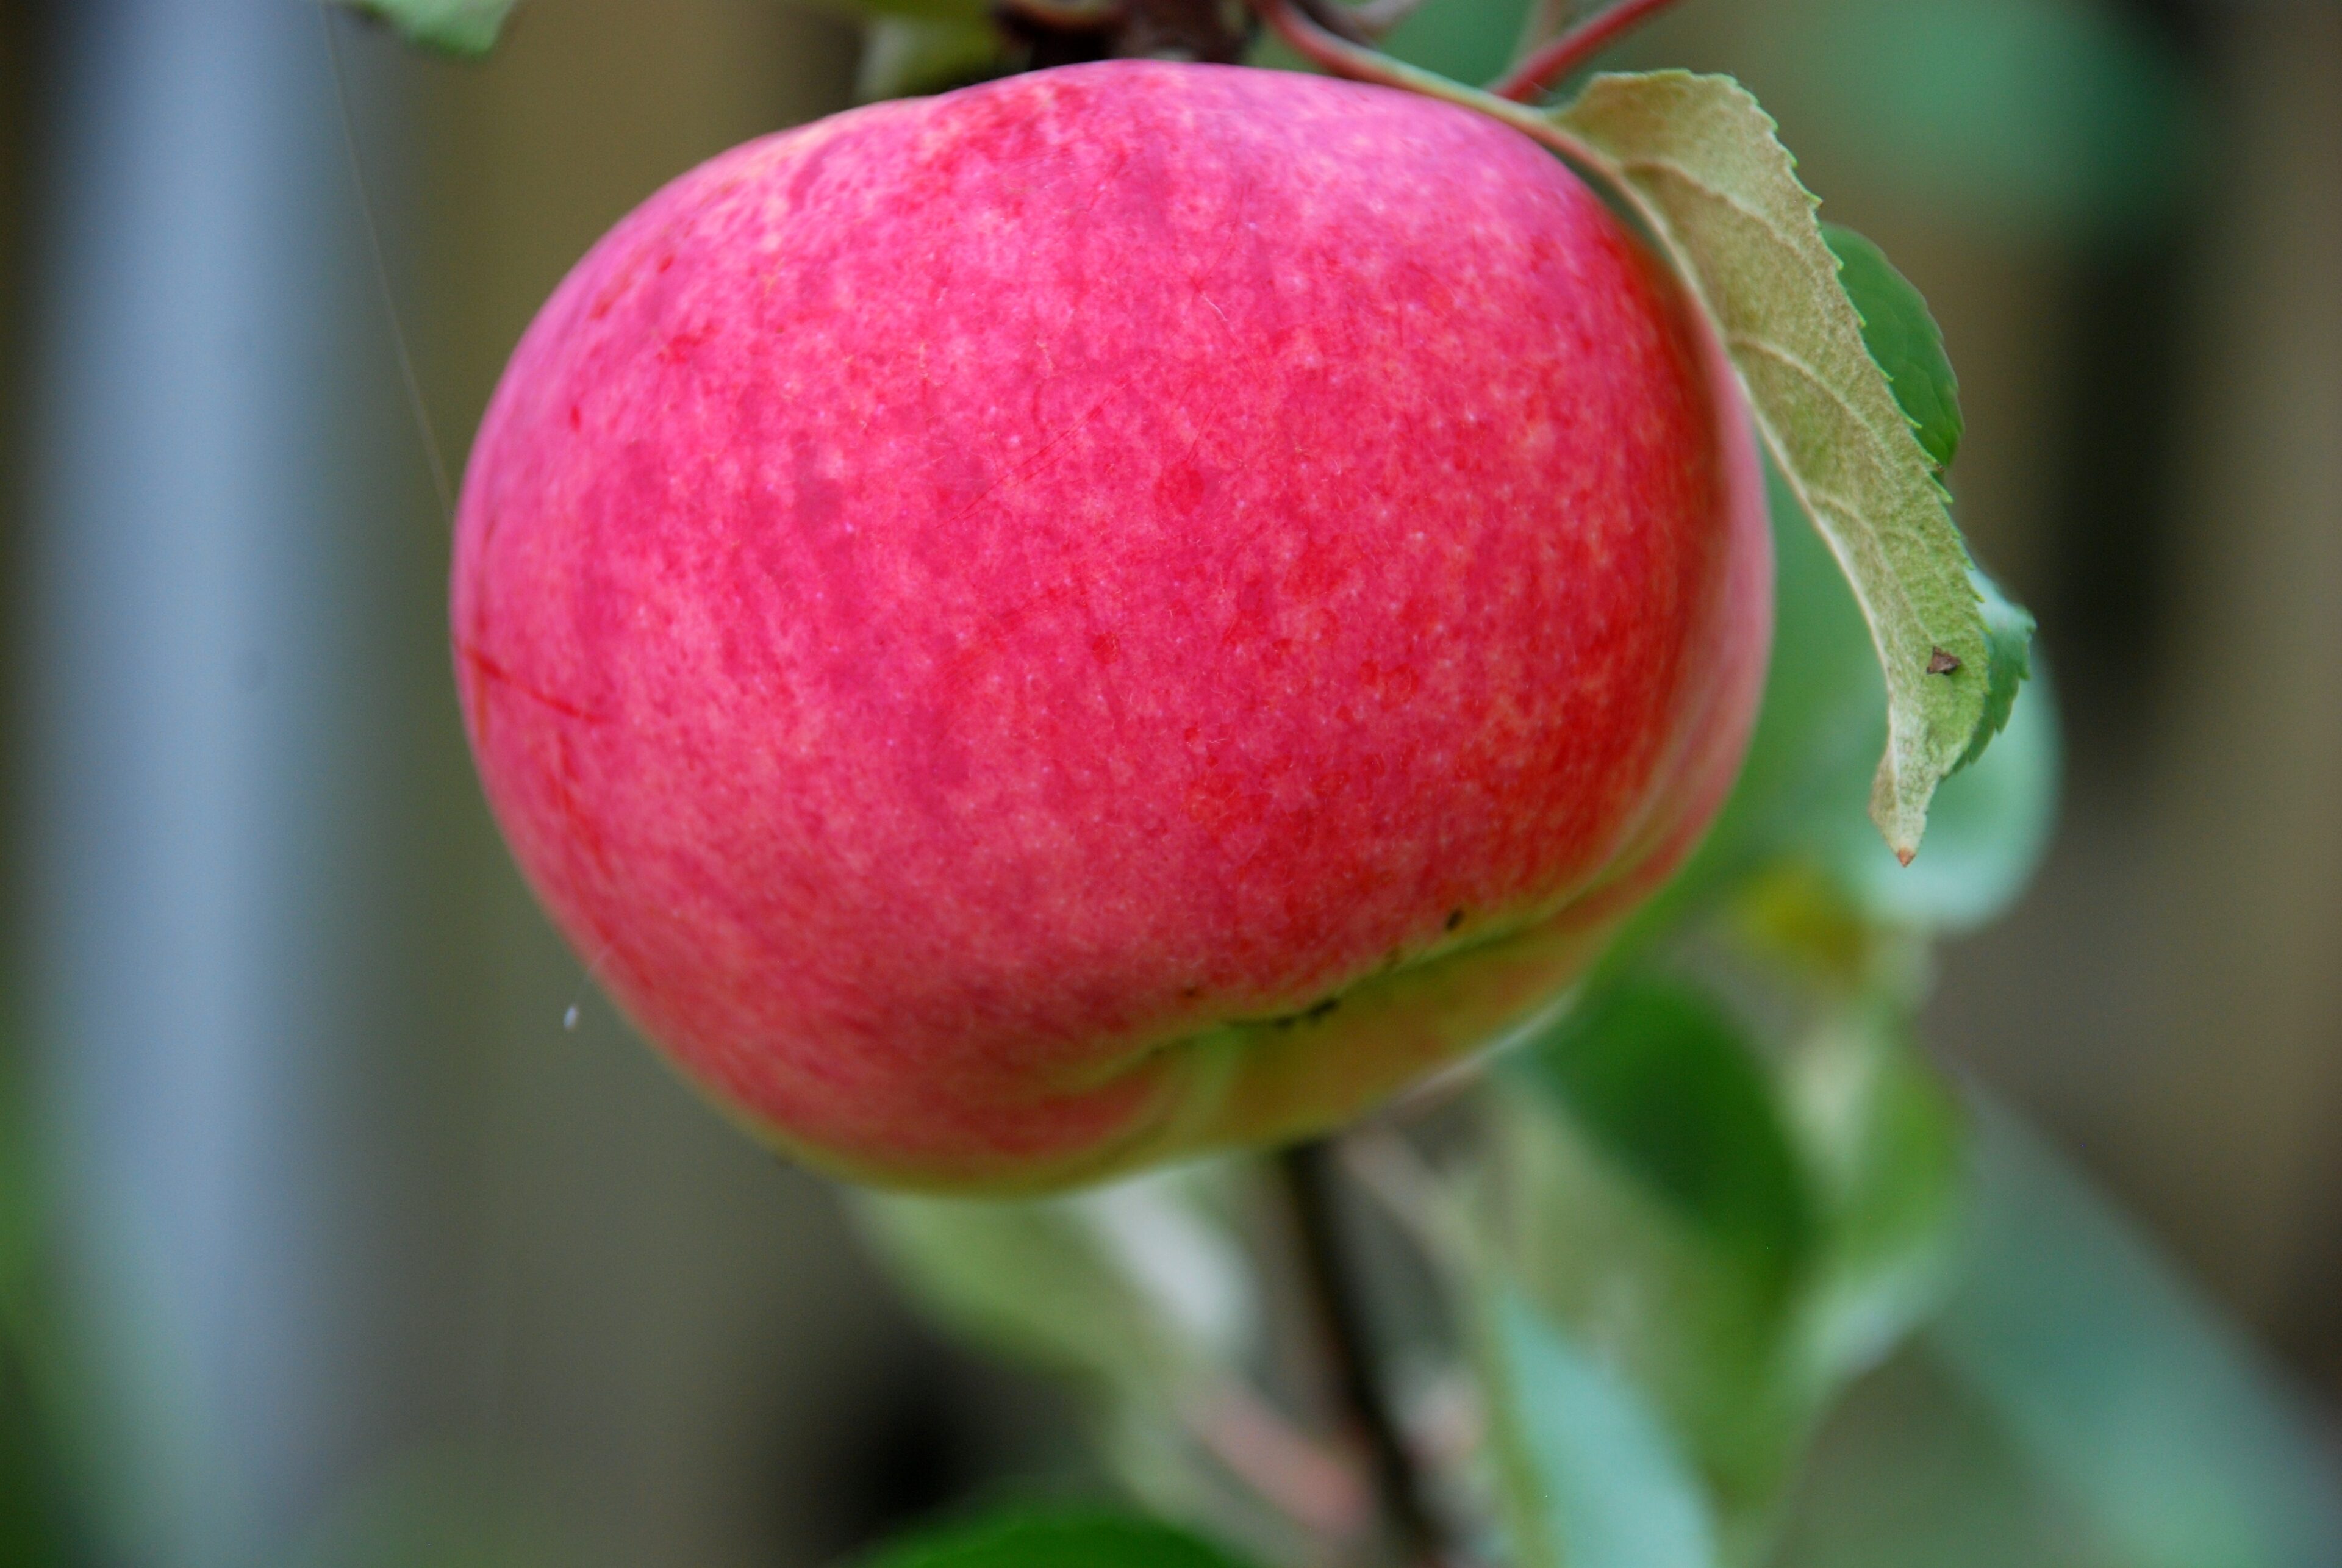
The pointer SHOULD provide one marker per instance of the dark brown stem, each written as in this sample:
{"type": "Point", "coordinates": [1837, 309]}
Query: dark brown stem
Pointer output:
{"type": "Point", "coordinates": [1065, 16]}
{"type": "Point", "coordinates": [1309, 1172]}
{"type": "Point", "coordinates": [1553, 63]}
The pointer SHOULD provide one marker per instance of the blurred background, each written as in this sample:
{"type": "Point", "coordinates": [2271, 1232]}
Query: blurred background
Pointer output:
{"type": "Point", "coordinates": [323, 1240]}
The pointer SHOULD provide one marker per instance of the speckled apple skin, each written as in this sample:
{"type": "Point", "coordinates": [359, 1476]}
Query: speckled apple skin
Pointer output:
{"type": "Point", "coordinates": [1119, 611]}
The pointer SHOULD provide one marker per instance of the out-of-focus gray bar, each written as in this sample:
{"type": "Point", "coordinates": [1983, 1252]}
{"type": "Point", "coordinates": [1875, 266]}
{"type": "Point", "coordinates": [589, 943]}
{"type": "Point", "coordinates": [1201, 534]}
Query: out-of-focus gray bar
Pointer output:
{"type": "Point", "coordinates": [196, 785]}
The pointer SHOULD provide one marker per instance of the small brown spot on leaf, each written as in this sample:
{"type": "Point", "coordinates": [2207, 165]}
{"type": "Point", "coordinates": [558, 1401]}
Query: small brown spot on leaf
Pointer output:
{"type": "Point", "coordinates": [1942, 662]}
{"type": "Point", "coordinates": [1904, 855]}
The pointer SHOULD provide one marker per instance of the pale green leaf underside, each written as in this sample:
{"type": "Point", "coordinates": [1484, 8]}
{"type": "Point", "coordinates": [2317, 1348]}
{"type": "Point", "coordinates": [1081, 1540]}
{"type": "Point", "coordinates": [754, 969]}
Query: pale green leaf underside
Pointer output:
{"type": "Point", "coordinates": [1591, 1479]}
{"type": "Point", "coordinates": [1699, 159]}
{"type": "Point", "coordinates": [452, 27]}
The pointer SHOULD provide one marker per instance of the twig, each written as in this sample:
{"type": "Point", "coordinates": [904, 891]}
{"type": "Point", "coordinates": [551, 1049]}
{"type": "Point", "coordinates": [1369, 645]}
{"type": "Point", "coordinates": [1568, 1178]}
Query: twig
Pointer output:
{"type": "Point", "coordinates": [1554, 61]}
{"type": "Point", "coordinates": [1308, 38]}
{"type": "Point", "coordinates": [1322, 1492]}
{"type": "Point", "coordinates": [1308, 1174]}
{"type": "Point", "coordinates": [1409, 1191]}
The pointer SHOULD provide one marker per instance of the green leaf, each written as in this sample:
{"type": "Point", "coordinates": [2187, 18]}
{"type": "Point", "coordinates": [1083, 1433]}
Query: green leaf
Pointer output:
{"type": "Point", "coordinates": [2009, 641]}
{"type": "Point", "coordinates": [1131, 1285]}
{"type": "Point", "coordinates": [1699, 160]}
{"type": "Point", "coordinates": [467, 28]}
{"type": "Point", "coordinates": [1590, 1477]}
{"type": "Point", "coordinates": [2121, 1387]}
{"type": "Point", "coordinates": [1798, 807]}
{"type": "Point", "coordinates": [1988, 829]}
{"type": "Point", "coordinates": [1069, 1540]}
{"type": "Point", "coordinates": [1651, 1205]}
{"type": "Point", "coordinates": [1659, 1076]}
{"type": "Point", "coordinates": [1736, 1207]}
{"type": "Point", "coordinates": [1821, 722]}
{"type": "Point", "coordinates": [1903, 339]}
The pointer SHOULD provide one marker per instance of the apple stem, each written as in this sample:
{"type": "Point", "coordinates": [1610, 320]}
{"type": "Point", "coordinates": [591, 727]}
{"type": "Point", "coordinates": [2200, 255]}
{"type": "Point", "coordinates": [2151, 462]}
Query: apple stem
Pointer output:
{"type": "Point", "coordinates": [1298, 23]}
{"type": "Point", "coordinates": [1556, 60]}
{"type": "Point", "coordinates": [1308, 1172]}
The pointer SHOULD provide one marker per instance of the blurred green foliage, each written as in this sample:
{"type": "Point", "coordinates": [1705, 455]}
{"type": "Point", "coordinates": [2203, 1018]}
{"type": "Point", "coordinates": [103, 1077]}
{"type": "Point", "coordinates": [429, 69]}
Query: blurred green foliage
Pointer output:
{"type": "Point", "coordinates": [2063, 117]}
{"type": "Point", "coordinates": [1056, 1540]}
{"type": "Point", "coordinates": [1592, 1480]}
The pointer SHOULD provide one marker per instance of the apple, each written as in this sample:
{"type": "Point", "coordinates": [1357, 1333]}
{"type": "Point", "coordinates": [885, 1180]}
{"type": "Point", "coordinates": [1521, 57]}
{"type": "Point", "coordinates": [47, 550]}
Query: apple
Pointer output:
{"type": "Point", "coordinates": [1123, 611]}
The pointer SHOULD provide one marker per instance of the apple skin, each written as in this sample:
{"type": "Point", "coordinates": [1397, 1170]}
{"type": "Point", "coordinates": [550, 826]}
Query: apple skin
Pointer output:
{"type": "Point", "coordinates": [1123, 611]}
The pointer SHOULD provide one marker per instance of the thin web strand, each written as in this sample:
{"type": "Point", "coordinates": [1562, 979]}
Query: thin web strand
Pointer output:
{"type": "Point", "coordinates": [416, 405]}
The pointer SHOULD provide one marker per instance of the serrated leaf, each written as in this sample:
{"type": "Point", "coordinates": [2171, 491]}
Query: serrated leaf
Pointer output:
{"type": "Point", "coordinates": [1988, 829]}
{"type": "Point", "coordinates": [1904, 341]}
{"type": "Point", "coordinates": [1591, 1478]}
{"type": "Point", "coordinates": [2121, 1387]}
{"type": "Point", "coordinates": [1797, 810]}
{"type": "Point", "coordinates": [1700, 160]}
{"type": "Point", "coordinates": [2009, 660]}
{"type": "Point", "coordinates": [1071, 1540]}
{"type": "Point", "coordinates": [467, 27]}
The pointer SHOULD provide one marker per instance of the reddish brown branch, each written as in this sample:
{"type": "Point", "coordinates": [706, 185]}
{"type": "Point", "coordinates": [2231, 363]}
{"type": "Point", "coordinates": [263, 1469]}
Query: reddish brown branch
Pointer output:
{"type": "Point", "coordinates": [1553, 63]}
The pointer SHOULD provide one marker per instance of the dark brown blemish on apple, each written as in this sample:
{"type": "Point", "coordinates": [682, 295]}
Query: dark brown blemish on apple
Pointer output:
{"type": "Point", "coordinates": [1309, 1015]}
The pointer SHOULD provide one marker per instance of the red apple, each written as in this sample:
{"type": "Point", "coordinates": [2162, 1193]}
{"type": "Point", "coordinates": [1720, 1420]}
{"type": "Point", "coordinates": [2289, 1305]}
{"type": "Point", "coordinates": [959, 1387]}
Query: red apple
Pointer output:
{"type": "Point", "coordinates": [1121, 611]}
